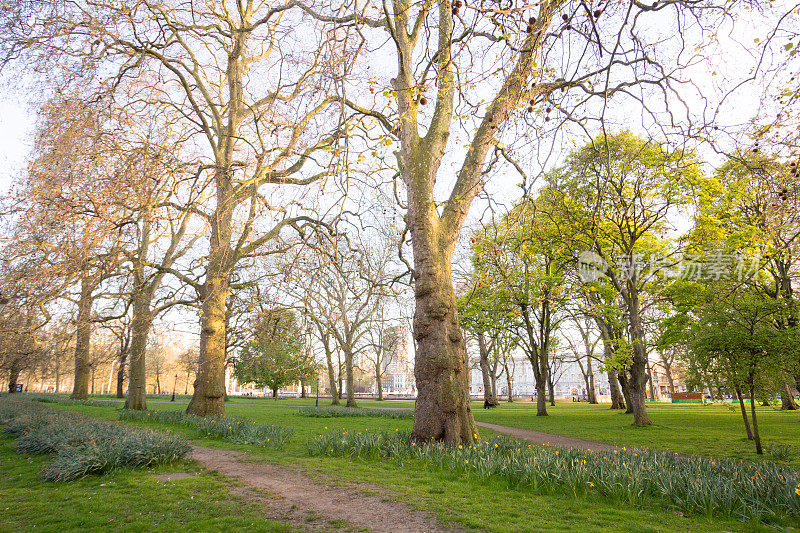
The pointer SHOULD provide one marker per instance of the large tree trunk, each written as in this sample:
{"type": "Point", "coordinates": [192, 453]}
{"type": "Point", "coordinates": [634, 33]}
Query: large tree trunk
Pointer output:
{"type": "Point", "coordinates": [488, 391]}
{"type": "Point", "coordinates": [137, 372]}
{"type": "Point", "coordinates": [442, 410]}
{"type": "Point", "coordinates": [209, 384]}
{"type": "Point", "coordinates": [302, 388]}
{"type": "Point", "coordinates": [617, 401]}
{"type": "Point", "coordinates": [541, 393]}
{"type": "Point", "coordinates": [83, 338]}
{"type": "Point", "coordinates": [787, 398]}
{"type": "Point", "coordinates": [13, 376]}
{"type": "Point", "coordinates": [348, 363]}
{"type": "Point", "coordinates": [638, 370]}
{"type": "Point", "coordinates": [738, 391]}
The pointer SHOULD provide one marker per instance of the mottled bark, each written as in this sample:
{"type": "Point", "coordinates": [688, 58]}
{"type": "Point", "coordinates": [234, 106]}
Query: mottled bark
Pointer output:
{"type": "Point", "coordinates": [137, 369]}
{"type": "Point", "coordinates": [787, 398]}
{"type": "Point", "coordinates": [442, 410]}
{"type": "Point", "coordinates": [617, 401]}
{"type": "Point", "coordinates": [209, 384]}
{"type": "Point", "coordinates": [83, 338]}
{"type": "Point", "coordinates": [443, 407]}
{"type": "Point", "coordinates": [638, 369]}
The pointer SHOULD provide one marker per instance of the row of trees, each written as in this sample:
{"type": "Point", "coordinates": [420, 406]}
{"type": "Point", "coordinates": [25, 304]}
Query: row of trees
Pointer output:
{"type": "Point", "coordinates": [190, 153]}
{"type": "Point", "coordinates": [596, 251]}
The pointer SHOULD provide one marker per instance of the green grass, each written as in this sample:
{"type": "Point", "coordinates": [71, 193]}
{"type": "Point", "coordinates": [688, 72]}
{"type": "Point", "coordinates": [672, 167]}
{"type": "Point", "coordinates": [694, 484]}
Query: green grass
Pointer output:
{"type": "Point", "coordinates": [689, 429]}
{"type": "Point", "coordinates": [712, 430]}
{"type": "Point", "coordinates": [124, 500]}
{"type": "Point", "coordinates": [467, 502]}
{"type": "Point", "coordinates": [333, 411]}
{"type": "Point", "coordinates": [727, 488]}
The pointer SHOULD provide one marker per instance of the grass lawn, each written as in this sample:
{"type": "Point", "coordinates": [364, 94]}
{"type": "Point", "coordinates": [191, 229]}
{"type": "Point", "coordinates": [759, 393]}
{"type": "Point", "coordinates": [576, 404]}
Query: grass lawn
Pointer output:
{"type": "Point", "coordinates": [688, 429]}
{"type": "Point", "coordinates": [456, 500]}
{"type": "Point", "coordinates": [125, 500]}
{"type": "Point", "coordinates": [710, 430]}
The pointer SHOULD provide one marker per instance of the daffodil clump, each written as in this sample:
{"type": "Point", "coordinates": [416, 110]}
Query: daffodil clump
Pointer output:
{"type": "Point", "coordinates": [84, 445]}
{"type": "Point", "coordinates": [760, 491]}
{"type": "Point", "coordinates": [338, 412]}
{"type": "Point", "coordinates": [240, 430]}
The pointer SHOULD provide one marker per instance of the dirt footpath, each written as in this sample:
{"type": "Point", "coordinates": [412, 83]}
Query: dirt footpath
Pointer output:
{"type": "Point", "coordinates": [290, 495]}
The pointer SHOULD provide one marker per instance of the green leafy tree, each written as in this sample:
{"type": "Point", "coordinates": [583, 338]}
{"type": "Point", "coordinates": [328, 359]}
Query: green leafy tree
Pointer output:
{"type": "Point", "coordinates": [750, 209]}
{"type": "Point", "coordinates": [278, 355]}
{"type": "Point", "coordinates": [737, 336]}
{"type": "Point", "coordinates": [618, 195]}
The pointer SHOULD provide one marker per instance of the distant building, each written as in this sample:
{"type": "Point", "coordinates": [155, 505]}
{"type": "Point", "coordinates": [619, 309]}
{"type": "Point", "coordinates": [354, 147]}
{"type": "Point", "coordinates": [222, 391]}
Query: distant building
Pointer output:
{"type": "Point", "coordinates": [568, 379]}
{"type": "Point", "coordinates": [398, 362]}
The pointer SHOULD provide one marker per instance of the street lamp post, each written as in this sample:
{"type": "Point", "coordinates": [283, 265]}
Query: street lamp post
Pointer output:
{"type": "Point", "coordinates": [174, 384]}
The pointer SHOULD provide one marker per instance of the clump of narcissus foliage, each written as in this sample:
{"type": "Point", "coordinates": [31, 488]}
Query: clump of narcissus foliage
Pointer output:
{"type": "Point", "coordinates": [84, 445]}
{"type": "Point", "coordinates": [735, 489]}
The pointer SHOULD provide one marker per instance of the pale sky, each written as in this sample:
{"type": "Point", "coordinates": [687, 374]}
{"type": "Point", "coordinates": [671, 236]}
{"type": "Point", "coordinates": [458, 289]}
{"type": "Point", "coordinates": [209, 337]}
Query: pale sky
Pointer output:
{"type": "Point", "coordinates": [16, 136]}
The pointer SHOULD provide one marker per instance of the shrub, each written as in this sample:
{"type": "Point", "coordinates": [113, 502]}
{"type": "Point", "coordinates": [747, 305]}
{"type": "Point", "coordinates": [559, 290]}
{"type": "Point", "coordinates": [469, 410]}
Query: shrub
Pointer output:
{"type": "Point", "coordinates": [84, 445]}
{"type": "Point", "coordinates": [241, 430]}
{"type": "Point", "coordinates": [337, 412]}
{"type": "Point", "coordinates": [763, 491]}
